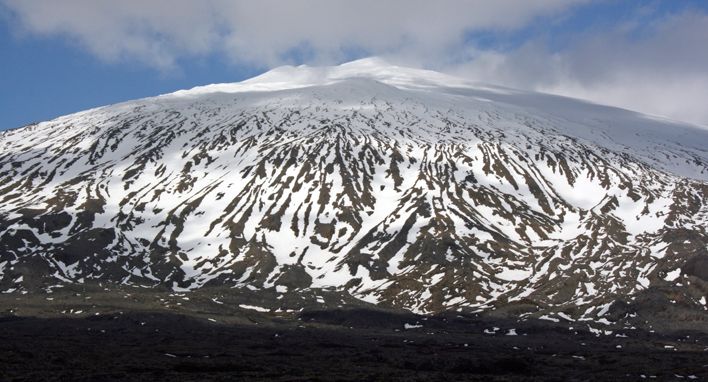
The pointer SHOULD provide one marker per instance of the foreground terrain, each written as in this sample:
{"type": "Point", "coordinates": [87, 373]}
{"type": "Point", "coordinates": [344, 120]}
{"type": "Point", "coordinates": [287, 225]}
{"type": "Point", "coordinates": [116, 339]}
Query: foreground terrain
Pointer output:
{"type": "Point", "coordinates": [126, 335]}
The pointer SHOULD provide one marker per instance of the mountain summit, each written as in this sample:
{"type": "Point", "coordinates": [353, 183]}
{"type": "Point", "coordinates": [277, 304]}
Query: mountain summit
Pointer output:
{"type": "Point", "coordinates": [364, 183]}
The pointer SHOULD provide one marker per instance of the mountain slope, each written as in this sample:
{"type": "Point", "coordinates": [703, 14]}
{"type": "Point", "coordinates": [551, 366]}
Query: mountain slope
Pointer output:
{"type": "Point", "coordinates": [400, 187]}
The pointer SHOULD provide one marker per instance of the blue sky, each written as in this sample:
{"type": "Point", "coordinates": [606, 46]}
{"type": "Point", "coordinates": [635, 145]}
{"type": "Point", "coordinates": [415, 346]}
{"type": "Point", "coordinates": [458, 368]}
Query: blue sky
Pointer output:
{"type": "Point", "coordinates": [45, 78]}
{"type": "Point", "coordinates": [63, 57]}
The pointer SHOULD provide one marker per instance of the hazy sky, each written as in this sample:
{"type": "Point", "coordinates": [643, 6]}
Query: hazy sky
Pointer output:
{"type": "Point", "coordinates": [64, 56]}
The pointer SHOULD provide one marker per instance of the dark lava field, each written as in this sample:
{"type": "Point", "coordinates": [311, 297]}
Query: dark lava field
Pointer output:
{"type": "Point", "coordinates": [73, 336]}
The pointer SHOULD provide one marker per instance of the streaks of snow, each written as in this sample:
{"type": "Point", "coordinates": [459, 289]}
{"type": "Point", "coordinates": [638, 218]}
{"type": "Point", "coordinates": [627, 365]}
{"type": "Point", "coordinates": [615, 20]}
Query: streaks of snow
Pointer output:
{"type": "Point", "coordinates": [673, 275]}
{"type": "Point", "coordinates": [513, 274]}
{"type": "Point", "coordinates": [253, 307]}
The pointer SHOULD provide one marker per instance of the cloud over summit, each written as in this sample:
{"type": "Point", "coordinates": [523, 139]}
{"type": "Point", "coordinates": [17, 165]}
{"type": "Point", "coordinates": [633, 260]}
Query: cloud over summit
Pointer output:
{"type": "Point", "coordinates": [653, 62]}
{"type": "Point", "coordinates": [266, 32]}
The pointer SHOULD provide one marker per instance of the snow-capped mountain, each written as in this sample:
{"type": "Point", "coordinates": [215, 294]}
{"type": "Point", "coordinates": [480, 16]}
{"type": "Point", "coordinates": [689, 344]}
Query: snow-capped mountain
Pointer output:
{"type": "Point", "coordinates": [396, 186]}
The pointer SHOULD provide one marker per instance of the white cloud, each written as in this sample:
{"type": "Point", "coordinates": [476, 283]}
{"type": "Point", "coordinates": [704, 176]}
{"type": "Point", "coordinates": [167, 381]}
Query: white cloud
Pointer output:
{"type": "Point", "coordinates": [657, 68]}
{"type": "Point", "coordinates": [158, 32]}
